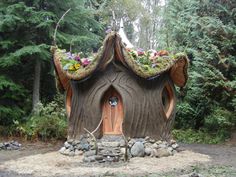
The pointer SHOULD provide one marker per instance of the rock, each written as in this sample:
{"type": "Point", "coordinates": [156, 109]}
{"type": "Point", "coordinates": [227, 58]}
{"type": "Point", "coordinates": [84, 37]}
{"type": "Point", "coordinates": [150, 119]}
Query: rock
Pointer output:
{"type": "Point", "coordinates": [148, 151]}
{"type": "Point", "coordinates": [78, 152]}
{"type": "Point", "coordinates": [99, 144]}
{"type": "Point", "coordinates": [13, 147]}
{"type": "Point", "coordinates": [92, 147]}
{"type": "Point", "coordinates": [116, 159]}
{"type": "Point", "coordinates": [67, 145]}
{"type": "Point", "coordinates": [92, 158]}
{"type": "Point", "coordinates": [170, 149]}
{"type": "Point", "coordinates": [152, 141]}
{"type": "Point", "coordinates": [9, 148]}
{"type": "Point", "coordinates": [122, 143]}
{"type": "Point", "coordinates": [62, 150]}
{"type": "Point", "coordinates": [163, 146]}
{"type": "Point", "coordinates": [122, 150]}
{"type": "Point", "coordinates": [147, 144]}
{"type": "Point", "coordinates": [153, 153]}
{"type": "Point", "coordinates": [89, 159]}
{"type": "Point", "coordinates": [154, 146]}
{"type": "Point", "coordinates": [84, 147]}
{"type": "Point", "coordinates": [2, 146]}
{"type": "Point", "coordinates": [66, 152]}
{"type": "Point", "coordinates": [71, 148]}
{"type": "Point", "coordinates": [131, 142]}
{"type": "Point", "coordinates": [70, 141]}
{"type": "Point", "coordinates": [137, 149]}
{"type": "Point", "coordinates": [172, 142]}
{"type": "Point", "coordinates": [174, 152]}
{"type": "Point", "coordinates": [111, 144]}
{"type": "Point", "coordinates": [84, 141]}
{"type": "Point", "coordinates": [162, 152]}
{"type": "Point", "coordinates": [75, 142]}
{"type": "Point", "coordinates": [6, 144]}
{"type": "Point", "coordinates": [175, 146]}
{"type": "Point", "coordinates": [71, 153]}
{"type": "Point", "coordinates": [159, 142]}
{"type": "Point", "coordinates": [98, 157]}
{"type": "Point", "coordinates": [90, 153]}
{"type": "Point", "coordinates": [147, 138]}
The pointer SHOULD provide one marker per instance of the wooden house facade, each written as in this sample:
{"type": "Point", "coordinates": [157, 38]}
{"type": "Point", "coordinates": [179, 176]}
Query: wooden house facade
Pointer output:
{"type": "Point", "coordinates": [115, 96]}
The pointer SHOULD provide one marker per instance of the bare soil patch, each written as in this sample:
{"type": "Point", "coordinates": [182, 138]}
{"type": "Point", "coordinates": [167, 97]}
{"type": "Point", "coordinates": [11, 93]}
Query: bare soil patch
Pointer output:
{"type": "Point", "coordinates": [43, 159]}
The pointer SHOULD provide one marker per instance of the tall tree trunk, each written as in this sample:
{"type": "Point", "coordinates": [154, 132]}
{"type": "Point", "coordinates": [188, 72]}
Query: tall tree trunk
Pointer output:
{"type": "Point", "coordinates": [36, 86]}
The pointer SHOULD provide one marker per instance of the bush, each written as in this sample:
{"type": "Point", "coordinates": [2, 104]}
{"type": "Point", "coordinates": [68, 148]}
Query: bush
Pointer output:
{"type": "Point", "coordinates": [185, 116]}
{"type": "Point", "coordinates": [197, 136]}
{"type": "Point", "coordinates": [220, 121]}
{"type": "Point", "coordinates": [46, 122]}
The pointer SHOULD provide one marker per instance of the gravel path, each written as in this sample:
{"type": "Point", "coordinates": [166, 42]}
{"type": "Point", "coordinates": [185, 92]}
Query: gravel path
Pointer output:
{"type": "Point", "coordinates": [42, 159]}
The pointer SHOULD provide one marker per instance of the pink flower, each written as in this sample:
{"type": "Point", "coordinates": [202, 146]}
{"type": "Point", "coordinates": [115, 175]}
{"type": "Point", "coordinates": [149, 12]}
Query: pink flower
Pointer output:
{"type": "Point", "coordinates": [85, 61]}
{"type": "Point", "coordinates": [140, 52]}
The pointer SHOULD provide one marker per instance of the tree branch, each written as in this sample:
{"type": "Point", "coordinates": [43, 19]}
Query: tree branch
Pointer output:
{"type": "Point", "coordinates": [55, 32]}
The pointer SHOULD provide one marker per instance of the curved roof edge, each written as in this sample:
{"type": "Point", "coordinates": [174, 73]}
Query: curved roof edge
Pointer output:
{"type": "Point", "coordinates": [114, 49]}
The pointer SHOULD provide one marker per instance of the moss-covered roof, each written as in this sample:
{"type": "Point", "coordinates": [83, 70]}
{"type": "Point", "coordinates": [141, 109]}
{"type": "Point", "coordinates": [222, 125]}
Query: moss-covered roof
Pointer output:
{"type": "Point", "coordinates": [145, 64]}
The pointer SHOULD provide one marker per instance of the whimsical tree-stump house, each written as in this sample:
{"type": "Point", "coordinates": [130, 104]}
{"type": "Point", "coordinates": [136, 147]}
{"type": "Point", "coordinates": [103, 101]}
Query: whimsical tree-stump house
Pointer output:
{"type": "Point", "coordinates": [120, 91]}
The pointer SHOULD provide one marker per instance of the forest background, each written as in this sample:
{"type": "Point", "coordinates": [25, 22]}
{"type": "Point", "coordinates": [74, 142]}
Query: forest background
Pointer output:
{"type": "Point", "coordinates": [30, 105]}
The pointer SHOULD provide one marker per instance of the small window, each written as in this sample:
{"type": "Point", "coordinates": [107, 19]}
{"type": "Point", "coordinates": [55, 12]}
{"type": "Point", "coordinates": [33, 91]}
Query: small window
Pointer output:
{"type": "Point", "coordinates": [113, 101]}
{"type": "Point", "coordinates": [167, 100]}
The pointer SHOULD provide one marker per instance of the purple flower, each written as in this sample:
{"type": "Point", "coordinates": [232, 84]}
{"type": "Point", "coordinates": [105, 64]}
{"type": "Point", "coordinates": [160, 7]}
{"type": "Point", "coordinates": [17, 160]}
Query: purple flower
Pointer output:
{"type": "Point", "coordinates": [77, 58]}
{"type": "Point", "coordinates": [70, 55]}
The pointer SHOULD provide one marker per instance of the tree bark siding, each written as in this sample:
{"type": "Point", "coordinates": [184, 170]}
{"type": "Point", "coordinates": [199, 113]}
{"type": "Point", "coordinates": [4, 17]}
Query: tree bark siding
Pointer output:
{"type": "Point", "coordinates": [36, 86]}
{"type": "Point", "coordinates": [142, 101]}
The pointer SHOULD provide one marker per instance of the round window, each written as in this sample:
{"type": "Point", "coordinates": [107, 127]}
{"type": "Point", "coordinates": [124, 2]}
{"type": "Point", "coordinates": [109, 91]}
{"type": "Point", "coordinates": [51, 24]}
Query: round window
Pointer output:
{"type": "Point", "coordinates": [113, 101]}
{"type": "Point", "coordinates": [167, 100]}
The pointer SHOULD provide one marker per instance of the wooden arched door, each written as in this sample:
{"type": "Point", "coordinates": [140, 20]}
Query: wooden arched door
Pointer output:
{"type": "Point", "coordinates": [112, 112]}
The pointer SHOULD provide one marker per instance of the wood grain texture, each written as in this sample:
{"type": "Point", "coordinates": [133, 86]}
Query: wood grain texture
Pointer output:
{"type": "Point", "coordinates": [142, 102]}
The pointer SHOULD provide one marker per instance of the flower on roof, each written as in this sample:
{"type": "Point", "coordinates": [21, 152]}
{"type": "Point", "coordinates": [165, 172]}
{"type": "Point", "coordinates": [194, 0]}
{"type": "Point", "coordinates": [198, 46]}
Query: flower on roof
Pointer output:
{"type": "Point", "coordinates": [77, 58]}
{"type": "Point", "coordinates": [73, 62]}
{"type": "Point", "coordinates": [70, 56]}
{"type": "Point", "coordinates": [85, 61]}
{"type": "Point", "coordinates": [140, 52]}
{"type": "Point", "coordinates": [77, 66]}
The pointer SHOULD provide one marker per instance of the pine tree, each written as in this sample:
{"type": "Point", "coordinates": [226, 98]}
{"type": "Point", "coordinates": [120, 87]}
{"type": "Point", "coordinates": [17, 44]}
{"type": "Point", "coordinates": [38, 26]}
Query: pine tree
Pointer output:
{"type": "Point", "coordinates": [26, 30]}
{"type": "Point", "coordinates": [205, 30]}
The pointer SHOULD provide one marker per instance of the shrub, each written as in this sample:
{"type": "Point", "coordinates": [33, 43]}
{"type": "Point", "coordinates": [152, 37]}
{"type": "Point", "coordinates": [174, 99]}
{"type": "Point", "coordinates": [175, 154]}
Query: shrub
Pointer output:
{"type": "Point", "coordinates": [46, 122]}
{"type": "Point", "coordinates": [197, 136]}
{"type": "Point", "coordinates": [220, 121]}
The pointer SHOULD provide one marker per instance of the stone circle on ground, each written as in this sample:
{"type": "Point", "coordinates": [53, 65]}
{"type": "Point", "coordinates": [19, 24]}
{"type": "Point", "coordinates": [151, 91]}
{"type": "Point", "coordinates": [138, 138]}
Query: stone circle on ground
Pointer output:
{"type": "Point", "coordinates": [115, 149]}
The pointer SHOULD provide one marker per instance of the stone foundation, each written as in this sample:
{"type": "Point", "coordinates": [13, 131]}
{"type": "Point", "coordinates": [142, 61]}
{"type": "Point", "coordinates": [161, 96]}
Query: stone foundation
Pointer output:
{"type": "Point", "coordinates": [114, 148]}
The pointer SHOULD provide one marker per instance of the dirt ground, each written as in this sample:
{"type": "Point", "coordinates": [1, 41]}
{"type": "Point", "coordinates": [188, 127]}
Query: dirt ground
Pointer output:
{"type": "Point", "coordinates": [43, 160]}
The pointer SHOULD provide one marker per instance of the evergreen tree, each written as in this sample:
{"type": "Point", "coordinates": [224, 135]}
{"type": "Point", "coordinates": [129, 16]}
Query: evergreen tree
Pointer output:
{"type": "Point", "coordinates": [205, 30]}
{"type": "Point", "coordinates": [26, 30]}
